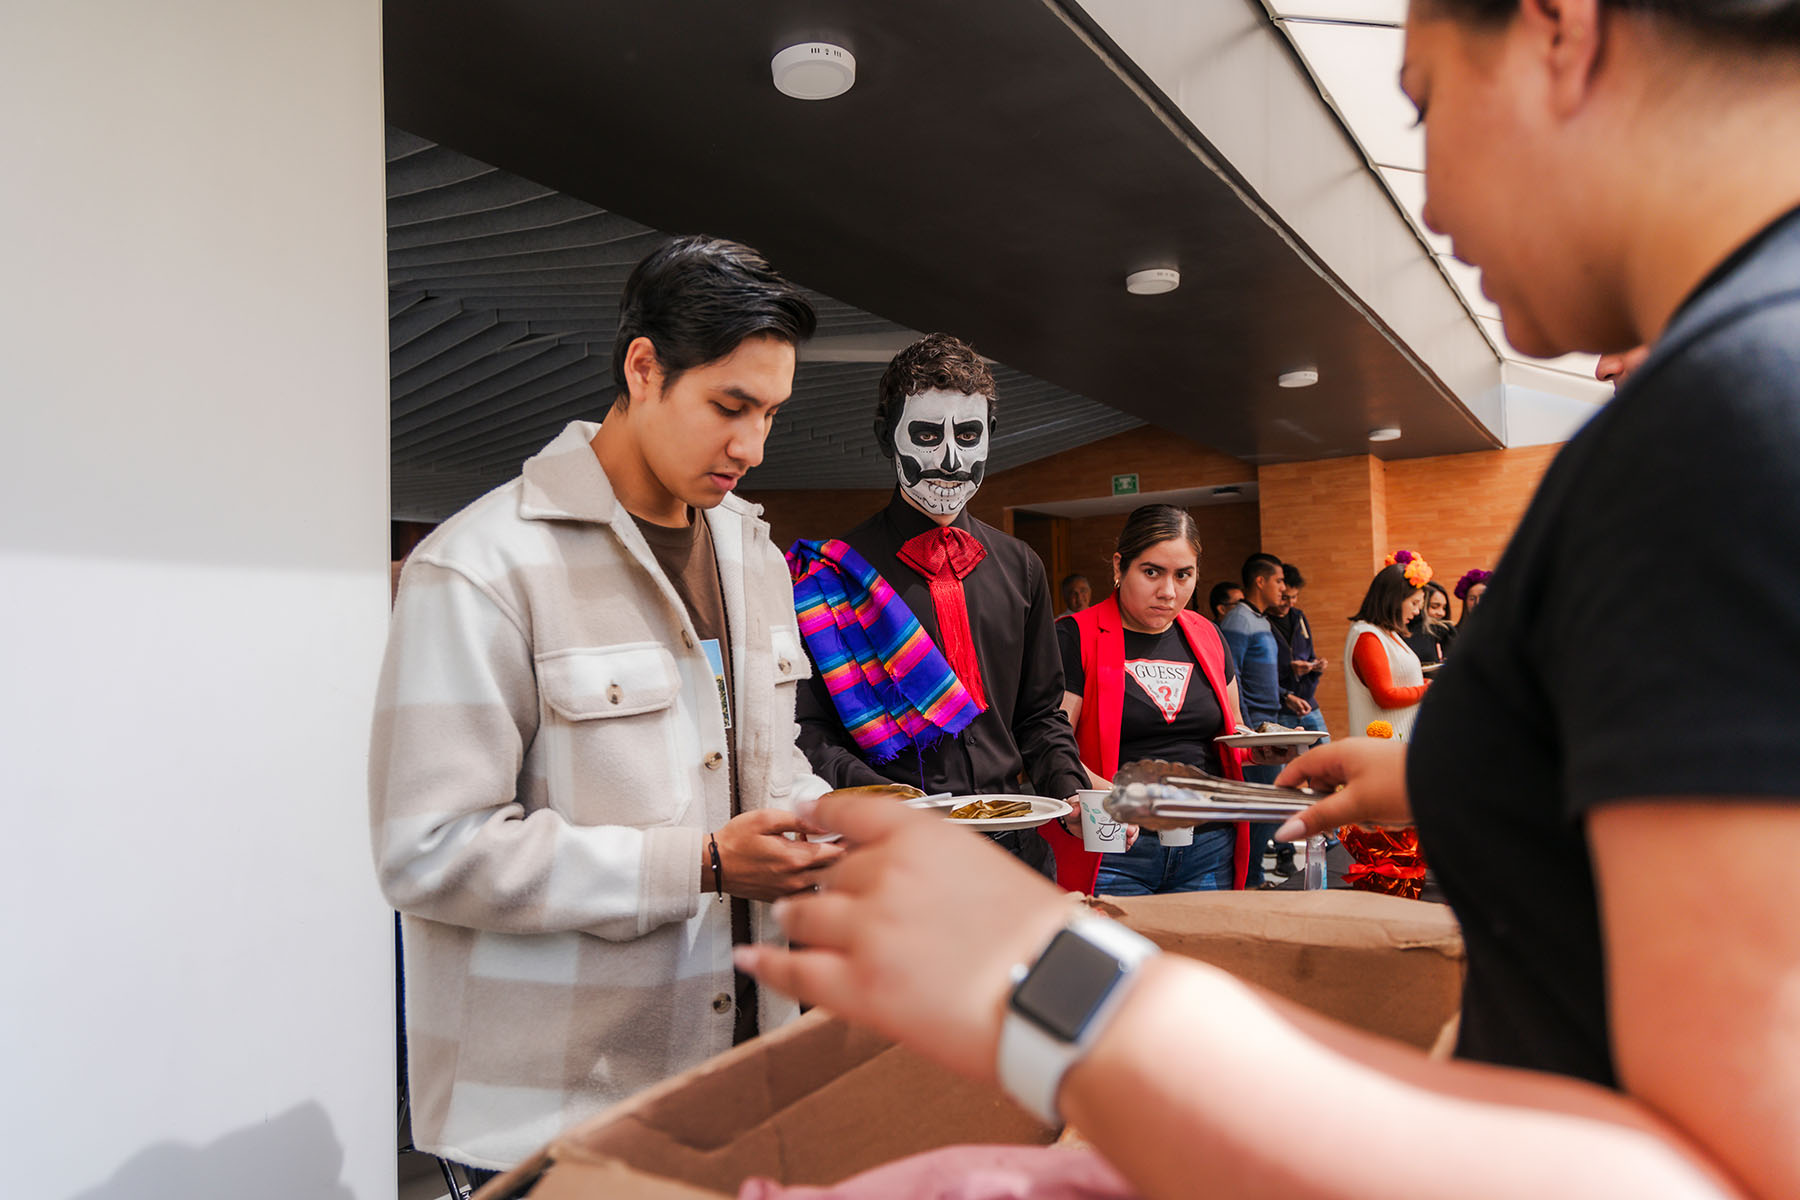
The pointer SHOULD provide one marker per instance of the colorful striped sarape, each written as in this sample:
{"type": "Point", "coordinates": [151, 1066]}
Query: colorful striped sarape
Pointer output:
{"type": "Point", "coordinates": [892, 687]}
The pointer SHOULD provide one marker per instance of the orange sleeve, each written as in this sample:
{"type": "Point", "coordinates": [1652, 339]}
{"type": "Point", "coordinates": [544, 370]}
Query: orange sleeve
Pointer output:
{"type": "Point", "coordinates": [1370, 661]}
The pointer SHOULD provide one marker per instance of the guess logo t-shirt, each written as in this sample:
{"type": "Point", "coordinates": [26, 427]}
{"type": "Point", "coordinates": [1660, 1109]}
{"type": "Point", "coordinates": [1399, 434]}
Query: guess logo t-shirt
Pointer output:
{"type": "Point", "coordinates": [1166, 683]}
{"type": "Point", "coordinates": [1169, 710]}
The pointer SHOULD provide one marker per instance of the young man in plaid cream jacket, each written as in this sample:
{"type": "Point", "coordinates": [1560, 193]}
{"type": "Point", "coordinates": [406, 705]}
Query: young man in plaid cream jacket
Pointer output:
{"type": "Point", "coordinates": [583, 760]}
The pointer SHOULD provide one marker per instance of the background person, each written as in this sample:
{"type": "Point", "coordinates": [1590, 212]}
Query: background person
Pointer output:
{"type": "Point", "coordinates": [1076, 593]}
{"type": "Point", "coordinates": [1469, 590]}
{"type": "Point", "coordinates": [1257, 653]}
{"type": "Point", "coordinates": [1149, 678]}
{"type": "Point", "coordinates": [1224, 594]}
{"type": "Point", "coordinates": [980, 595]}
{"type": "Point", "coordinates": [1385, 682]}
{"type": "Point", "coordinates": [1299, 662]}
{"type": "Point", "coordinates": [1430, 633]}
{"type": "Point", "coordinates": [1630, 1018]}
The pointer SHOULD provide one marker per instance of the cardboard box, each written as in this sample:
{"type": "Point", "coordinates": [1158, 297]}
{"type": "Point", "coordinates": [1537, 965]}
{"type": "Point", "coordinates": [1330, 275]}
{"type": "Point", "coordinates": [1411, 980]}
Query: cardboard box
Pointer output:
{"type": "Point", "coordinates": [1380, 963]}
{"type": "Point", "coordinates": [819, 1101]}
{"type": "Point", "coordinates": [814, 1102]}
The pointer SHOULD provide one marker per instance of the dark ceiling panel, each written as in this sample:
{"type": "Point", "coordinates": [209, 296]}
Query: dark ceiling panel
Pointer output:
{"type": "Point", "coordinates": [498, 337]}
{"type": "Point", "coordinates": [990, 174]}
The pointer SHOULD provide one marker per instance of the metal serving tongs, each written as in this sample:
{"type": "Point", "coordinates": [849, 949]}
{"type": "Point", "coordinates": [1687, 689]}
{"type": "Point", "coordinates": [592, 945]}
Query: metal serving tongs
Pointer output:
{"type": "Point", "coordinates": [1154, 794]}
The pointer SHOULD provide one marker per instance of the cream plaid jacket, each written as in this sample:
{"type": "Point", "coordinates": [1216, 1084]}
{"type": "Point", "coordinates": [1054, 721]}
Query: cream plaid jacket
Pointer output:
{"type": "Point", "coordinates": [548, 756]}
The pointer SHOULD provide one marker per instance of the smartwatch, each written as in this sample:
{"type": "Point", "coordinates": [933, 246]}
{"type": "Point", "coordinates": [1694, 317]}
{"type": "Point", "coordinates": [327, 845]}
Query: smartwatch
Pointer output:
{"type": "Point", "coordinates": [1060, 1004]}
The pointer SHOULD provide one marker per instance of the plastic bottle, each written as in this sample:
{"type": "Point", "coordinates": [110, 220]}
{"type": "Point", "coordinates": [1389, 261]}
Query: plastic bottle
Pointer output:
{"type": "Point", "coordinates": [1316, 878]}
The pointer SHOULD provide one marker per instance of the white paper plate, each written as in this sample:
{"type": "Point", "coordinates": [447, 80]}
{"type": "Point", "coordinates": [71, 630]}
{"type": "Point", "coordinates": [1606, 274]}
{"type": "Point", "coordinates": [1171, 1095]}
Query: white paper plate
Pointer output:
{"type": "Point", "coordinates": [1043, 810]}
{"type": "Point", "coordinates": [1285, 737]}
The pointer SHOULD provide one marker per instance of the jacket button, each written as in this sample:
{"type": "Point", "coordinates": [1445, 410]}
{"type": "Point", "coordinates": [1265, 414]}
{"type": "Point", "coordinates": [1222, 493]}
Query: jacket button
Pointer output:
{"type": "Point", "coordinates": [713, 760]}
{"type": "Point", "coordinates": [687, 639]}
{"type": "Point", "coordinates": [614, 694]}
{"type": "Point", "coordinates": [722, 1002]}
{"type": "Point", "coordinates": [784, 666]}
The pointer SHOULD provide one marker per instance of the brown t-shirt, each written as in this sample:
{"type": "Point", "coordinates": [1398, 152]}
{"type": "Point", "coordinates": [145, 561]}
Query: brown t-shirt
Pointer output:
{"type": "Point", "coordinates": [686, 557]}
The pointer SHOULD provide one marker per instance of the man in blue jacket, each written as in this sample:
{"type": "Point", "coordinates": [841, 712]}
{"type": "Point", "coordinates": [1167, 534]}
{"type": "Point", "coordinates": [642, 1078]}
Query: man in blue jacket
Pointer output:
{"type": "Point", "coordinates": [1254, 644]}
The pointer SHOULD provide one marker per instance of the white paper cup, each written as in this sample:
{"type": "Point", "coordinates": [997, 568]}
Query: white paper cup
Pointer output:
{"type": "Point", "coordinates": [1099, 832]}
{"type": "Point", "coordinates": [1177, 837]}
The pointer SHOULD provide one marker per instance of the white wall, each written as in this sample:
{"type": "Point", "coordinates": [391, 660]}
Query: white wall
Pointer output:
{"type": "Point", "coordinates": [195, 986]}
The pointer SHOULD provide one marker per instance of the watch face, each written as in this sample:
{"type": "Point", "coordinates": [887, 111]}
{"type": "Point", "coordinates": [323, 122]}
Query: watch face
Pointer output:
{"type": "Point", "coordinates": [1066, 985]}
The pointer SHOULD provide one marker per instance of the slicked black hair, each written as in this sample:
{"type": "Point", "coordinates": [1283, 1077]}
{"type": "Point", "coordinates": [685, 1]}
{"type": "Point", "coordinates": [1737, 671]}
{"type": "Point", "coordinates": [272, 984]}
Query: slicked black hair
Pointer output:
{"type": "Point", "coordinates": [1257, 566]}
{"type": "Point", "coordinates": [697, 299]}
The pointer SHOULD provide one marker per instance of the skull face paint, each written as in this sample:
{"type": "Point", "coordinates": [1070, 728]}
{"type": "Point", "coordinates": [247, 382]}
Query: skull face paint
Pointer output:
{"type": "Point", "coordinates": [941, 449]}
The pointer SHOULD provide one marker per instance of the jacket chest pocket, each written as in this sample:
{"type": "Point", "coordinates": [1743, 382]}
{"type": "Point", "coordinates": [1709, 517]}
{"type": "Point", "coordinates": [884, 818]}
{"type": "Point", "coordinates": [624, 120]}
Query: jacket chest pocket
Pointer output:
{"type": "Point", "coordinates": [611, 717]}
{"type": "Point", "coordinates": [791, 666]}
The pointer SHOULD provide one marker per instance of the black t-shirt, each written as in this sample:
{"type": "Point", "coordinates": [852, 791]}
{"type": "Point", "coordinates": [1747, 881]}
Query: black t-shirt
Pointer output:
{"type": "Point", "coordinates": [1424, 643]}
{"type": "Point", "coordinates": [1170, 711]}
{"type": "Point", "coordinates": [1592, 677]}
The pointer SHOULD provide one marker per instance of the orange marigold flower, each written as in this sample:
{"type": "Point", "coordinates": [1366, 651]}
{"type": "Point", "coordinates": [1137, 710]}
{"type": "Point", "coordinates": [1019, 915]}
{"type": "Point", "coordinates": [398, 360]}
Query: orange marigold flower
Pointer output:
{"type": "Point", "coordinates": [1379, 729]}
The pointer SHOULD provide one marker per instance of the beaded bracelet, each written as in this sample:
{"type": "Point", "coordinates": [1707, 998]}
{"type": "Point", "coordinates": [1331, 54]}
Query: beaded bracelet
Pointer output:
{"type": "Point", "coordinates": [718, 871]}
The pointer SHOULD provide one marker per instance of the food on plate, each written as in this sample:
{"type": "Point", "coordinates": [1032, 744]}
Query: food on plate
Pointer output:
{"type": "Point", "coordinates": [982, 810]}
{"type": "Point", "coordinates": [1274, 727]}
{"type": "Point", "coordinates": [899, 791]}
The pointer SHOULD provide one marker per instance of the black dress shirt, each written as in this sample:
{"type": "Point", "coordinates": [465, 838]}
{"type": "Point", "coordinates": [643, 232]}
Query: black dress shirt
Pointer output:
{"type": "Point", "coordinates": [1011, 617]}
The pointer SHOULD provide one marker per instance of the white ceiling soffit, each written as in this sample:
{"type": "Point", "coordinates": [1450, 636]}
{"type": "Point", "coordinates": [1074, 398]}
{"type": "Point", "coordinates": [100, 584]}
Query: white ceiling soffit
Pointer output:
{"type": "Point", "coordinates": [1353, 49]}
{"type": "Point", "coordinates": [1355, 202]}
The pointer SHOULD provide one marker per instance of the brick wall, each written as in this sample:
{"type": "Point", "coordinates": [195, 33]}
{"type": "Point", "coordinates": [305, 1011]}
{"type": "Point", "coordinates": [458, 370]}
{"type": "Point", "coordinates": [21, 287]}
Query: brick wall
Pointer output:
{"type": "Point", "coordinates": [1335, 518]}
{"type": "Point", "coordinates": [1229, 533]}
{"type": "Point", "coordinates": [815, 514]}
{"type": "Point", "coordinates": [1327, 518]}
{"type": "Point", "coordinates": [1161, 460]}
{"type": "Point", "coordinates": [1459, 510]}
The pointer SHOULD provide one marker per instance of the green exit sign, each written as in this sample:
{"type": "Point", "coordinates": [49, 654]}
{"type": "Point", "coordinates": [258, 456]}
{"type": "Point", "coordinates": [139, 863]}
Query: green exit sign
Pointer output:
{"type": "Point", "coordinates": [1125, 485]}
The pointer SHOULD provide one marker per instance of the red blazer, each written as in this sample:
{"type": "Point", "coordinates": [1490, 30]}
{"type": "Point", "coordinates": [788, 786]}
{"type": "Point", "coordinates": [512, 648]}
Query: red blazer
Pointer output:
{"type": "Point", "coordinates": [1103, 709]}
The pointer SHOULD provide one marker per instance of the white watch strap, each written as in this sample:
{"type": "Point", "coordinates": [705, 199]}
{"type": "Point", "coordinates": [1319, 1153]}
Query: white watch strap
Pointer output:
{"type": "Point", "coordinates": [1032, 1061]}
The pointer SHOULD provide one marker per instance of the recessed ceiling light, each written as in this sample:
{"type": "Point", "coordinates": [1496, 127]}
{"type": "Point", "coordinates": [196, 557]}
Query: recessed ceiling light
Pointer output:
{"type": "Point", "coordinates": [1153, 282]}
{"type": "Point", "coordinates": [1305, 377]}
{"type": "Point", "coordinates": [813, 71]}
{"type": "Point", "coordinates": [1385, 433]}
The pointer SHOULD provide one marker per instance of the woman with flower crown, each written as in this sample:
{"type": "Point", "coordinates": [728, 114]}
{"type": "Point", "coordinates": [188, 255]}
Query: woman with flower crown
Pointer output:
{"type": "Point", "coordinates": [1386, 681]}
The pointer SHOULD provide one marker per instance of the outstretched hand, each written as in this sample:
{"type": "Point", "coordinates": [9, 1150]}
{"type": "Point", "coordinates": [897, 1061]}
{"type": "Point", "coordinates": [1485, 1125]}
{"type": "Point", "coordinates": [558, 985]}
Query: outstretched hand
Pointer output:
{"type": "Point", "coordinates": [1371, 776]}
{"type": "Point", "coordinates": [915, 933]}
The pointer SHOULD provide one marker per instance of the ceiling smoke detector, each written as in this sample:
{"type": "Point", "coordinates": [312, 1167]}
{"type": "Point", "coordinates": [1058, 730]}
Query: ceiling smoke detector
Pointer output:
{"type": "Point", "coordinates": [1385, 433]}
{"type": "Point", "coordinates": [1304, 377]}
{"type": "Point", "coordinates": [1153, 282]}
{"type": "Point", "coordinates": [813, 71]}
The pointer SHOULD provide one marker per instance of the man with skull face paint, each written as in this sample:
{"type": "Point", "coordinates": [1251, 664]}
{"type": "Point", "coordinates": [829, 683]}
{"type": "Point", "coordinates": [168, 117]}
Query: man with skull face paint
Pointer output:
{"type": "Point", "coordinates": [994, 620]}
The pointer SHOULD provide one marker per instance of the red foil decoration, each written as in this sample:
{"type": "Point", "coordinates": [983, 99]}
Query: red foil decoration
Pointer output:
{"type": "Point", "coordinates": [1385, 860]}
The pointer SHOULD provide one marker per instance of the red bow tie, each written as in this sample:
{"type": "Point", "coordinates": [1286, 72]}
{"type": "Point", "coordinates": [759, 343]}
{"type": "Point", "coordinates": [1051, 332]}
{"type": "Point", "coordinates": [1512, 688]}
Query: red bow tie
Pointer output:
{"type": "Point", "coordinates": [944, 556]}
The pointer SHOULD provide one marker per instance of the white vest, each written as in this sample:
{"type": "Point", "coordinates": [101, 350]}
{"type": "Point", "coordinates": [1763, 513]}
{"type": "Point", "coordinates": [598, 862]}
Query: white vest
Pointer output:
{"type": "Point", "coordinates": [1403, 669]}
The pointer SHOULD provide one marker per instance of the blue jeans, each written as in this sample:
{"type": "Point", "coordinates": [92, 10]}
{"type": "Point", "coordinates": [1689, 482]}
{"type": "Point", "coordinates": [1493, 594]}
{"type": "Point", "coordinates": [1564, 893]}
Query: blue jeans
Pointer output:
{"type": "Point", "coordinates": [1151, 868]}
{"type": "Point", "coordinates": [1314, 720]}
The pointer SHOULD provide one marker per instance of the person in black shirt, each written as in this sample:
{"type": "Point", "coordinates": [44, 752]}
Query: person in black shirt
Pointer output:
{"type": "Point", "coordinates": [1587, 763]}
{"type": "Point", "coordinates": [934, 420]}
{"type": "Point", "coordinates": [1224, 596]}
{"type": "Point", "coordinates": [1430, 633]}
{"type": "Point", "coordinates": [1299, 665]}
